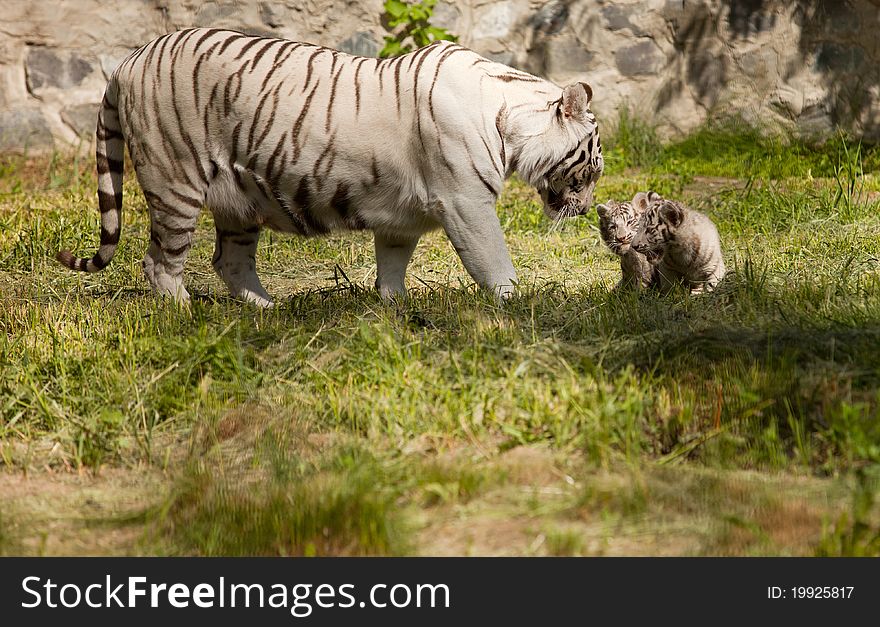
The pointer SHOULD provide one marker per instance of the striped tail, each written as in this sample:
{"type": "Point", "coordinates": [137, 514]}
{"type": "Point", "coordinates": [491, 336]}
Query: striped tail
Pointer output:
{"type": "Point", "coordinates": [109, 153]}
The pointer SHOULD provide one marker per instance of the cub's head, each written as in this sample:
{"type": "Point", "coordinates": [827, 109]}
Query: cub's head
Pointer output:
{"type": "Point", "coordinates": [619, 221]}
{"type": "Point", "coordinates": [658, 228]}
{"type": "Point", "coordinates": [567, 175]}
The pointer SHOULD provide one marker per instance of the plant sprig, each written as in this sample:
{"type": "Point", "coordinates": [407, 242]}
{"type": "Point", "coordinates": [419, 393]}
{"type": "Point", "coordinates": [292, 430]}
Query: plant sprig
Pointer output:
{"type": "Point", "coordinates": [416, 31]}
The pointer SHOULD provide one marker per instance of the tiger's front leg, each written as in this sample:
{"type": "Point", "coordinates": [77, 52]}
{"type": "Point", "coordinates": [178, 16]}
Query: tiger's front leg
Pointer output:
{"type": "Point", "coordinates": [476, 234]}
{"type": "Point", "coordinates": [235, 260]}
{"type": "Point", "coordinates": [392, 258]}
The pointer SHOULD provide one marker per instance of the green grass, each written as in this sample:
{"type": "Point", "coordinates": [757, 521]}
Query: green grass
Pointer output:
{"type": "Point", "coordinates": [572, 421]}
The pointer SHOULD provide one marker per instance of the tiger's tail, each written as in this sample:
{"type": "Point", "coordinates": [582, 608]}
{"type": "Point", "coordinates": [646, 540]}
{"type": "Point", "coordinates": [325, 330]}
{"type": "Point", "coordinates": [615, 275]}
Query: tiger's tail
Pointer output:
{"type": "Point", "coordinates": [109, 152]}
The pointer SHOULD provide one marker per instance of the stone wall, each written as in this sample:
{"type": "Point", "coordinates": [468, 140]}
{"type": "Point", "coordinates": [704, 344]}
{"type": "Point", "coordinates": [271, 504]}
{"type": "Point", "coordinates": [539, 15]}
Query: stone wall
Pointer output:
{"type": "Point", "coordinates": [807, 66]}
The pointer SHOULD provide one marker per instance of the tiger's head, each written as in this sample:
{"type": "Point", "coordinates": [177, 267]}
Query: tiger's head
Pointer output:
{"type": "Point", "coordinates": [619, 221]}
{"type": "Point", "coordinates": [658, 226]}
{"type": "Point", "coordinates": [567, 185]}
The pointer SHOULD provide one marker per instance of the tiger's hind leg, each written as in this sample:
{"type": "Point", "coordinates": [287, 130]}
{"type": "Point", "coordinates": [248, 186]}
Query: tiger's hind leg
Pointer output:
{"type": "Point", "coordinates": [173, 217]}
{"type": "Point", "coordinates": [235, 259]}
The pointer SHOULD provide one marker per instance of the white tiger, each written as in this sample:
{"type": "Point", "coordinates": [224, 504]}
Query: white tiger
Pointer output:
{"type": "Point", "coordinates": [295, 137]}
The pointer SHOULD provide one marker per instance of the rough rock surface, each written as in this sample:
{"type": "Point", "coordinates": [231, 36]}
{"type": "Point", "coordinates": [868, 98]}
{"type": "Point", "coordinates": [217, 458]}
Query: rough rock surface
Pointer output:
{"type": "Point", "coordinates": [809, 66]}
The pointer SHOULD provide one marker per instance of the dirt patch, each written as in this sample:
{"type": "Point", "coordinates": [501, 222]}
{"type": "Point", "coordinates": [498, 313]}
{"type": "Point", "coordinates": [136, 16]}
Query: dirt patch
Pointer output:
{"type": "Point", "coordinates": [60, 513]}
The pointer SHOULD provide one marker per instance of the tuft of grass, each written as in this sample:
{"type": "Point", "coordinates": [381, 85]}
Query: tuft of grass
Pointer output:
{"type": "Point", "coordinates": [631, 142]}
{"type": "Point", "coordinates": [855, 533]}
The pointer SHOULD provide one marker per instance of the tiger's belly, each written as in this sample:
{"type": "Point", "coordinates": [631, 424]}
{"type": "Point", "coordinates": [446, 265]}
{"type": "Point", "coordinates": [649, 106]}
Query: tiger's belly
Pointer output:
{"type": "Point", "coordinates": [308, 207]}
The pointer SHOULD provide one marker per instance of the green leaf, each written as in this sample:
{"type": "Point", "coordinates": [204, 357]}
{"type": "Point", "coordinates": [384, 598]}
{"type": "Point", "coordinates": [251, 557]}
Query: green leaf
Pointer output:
{"type": "Point", "coordinates": [436, 33]}
{"type": "Point", "coordinates": [395, 8]}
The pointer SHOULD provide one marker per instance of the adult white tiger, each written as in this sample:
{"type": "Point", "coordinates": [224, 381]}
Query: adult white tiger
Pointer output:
{"type": "Point", "coordinates": [295, 137]}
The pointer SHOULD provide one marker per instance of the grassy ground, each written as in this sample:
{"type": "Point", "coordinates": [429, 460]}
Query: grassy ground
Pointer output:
{"type": "Point", "coordinates": [573, 421]}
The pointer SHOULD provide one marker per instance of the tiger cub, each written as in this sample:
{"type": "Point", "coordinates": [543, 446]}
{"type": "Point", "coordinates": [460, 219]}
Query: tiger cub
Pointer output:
{"type": "Point", "coordinates": [618, 223]}
{"type": "Point", "coordinates": [683, 244]}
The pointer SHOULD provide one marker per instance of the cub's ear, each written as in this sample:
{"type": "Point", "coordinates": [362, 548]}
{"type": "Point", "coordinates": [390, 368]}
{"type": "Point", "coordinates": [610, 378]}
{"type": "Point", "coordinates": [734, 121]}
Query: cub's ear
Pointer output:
{"type": "Point", "coordinates": [602, 210]}
{"type": "Point", "coordinates": [640, 202]}
{"type": "Point", "coordinates": [576, 100]}
{"type": "Point", "coordinates": [671, 213]}
{"type": "Point", "coordinates": [654, 196]}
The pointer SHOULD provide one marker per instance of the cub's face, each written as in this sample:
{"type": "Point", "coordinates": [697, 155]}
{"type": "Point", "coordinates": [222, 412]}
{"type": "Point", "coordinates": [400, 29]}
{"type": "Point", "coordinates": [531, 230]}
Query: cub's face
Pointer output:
{"type": "Point", "coordinates": [658, 228]}
{"type": "Point", "coordinates": [618, 222]}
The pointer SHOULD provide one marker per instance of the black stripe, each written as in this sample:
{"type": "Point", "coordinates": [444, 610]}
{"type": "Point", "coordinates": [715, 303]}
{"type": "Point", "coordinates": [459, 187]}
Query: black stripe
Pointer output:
{"type": "Point", "coordinates": [196, 80]}
{"type": "Point", "coordinates": [103, 133]}
{"type": "Point", "coordinates": [174, 252]}
{"type": "Point", "coordinates": [109, 237]}
{"type": "Point", "coordinates": [299, 122]}
{"type": "Point", "coordinates": [327, 149]}
{"type": "Point", "coordinates": [185, 136]}
{"type": "Point", "coordinates": [270, 165]}
{"type": "Point", "coordinates": [208, 33]}
{"type": "Point", "coordinates": [340, 201]}
{"type": "Point", "coordinates": [109, 202]}
{"type": "Point", "coordinates": [157, 204]}
{"type": "Point", "coordinates": [310, 68]}
{"type": "Point", "coordinates": [374, 170]}
{"type": "Point", "coordinates": [161, 58]}
{"type": "Point", "coordinates": [235, 133]}
{"type": "Point", "coordinates": [255, 119]}
{"type": "Point", "coordinates": [332, 98]}
{"type": "Point", "coordinates": [278, 62]}
{"type": "Point", "coordinates": [397, 85]}
{"type": "Point", "coordinates": [192, 202]}
{"type": "Point", "coordinates": [229, 40]}
{"type": "Point", "coordinates": [253, 42]}
{"type": "Point", "coordinates": [491, 156]}
{"type": "Point", "coordinates": [106, 165]}
{"type": "Point", "coordinates": [507, 78]}
{"type": "Point", "coordinates": [302, 198]}
{"type": "Point", "coordinates": [440, 61]}
{"type": "Point", "coordinates": [259, 53]}
{"type": "Point", "coordinates": [357, 88]}
{"type": "Point", "coordinates": [485, 182]}
{"type": "Point", "coordinates": [580, 159]}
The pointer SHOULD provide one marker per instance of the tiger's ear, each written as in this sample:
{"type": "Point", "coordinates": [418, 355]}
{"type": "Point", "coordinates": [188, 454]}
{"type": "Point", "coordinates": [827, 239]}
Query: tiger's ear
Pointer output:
{"type": "Point", "coordinates": [602, 210]}
{"type": "Point", "coordinates": [654, 196]}
{"type": "Point", "coordinates": [576, 100]}
{"type": "Point", "coordinates": [640, 202]}
{"type": "Point", "coordinates": [671, 213]}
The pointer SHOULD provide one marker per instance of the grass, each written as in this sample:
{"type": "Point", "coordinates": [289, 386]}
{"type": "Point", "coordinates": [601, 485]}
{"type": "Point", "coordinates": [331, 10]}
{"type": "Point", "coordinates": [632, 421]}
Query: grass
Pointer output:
{"type": "Point", "coordinates": [572, 421]}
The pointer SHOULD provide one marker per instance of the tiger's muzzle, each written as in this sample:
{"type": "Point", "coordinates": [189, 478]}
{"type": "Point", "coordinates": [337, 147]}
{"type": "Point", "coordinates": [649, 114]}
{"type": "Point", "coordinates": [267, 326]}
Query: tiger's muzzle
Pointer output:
{"type": "Point", "coordinates": [570, 201]}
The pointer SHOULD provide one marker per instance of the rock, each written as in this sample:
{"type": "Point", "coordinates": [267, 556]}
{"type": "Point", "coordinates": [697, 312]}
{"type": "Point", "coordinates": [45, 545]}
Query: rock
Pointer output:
{"type": "Point", "coordinates": [46, 69]}
{"type": "Point", "coordinates": [495, 20]}
{"type": "Point", "coordinates": [640, 59]}
{"type": "Point", "coordinates": [81, 118]}
{"type": "Point", "coordinates": [507, 58]}
{"type": "Point", "coordinates": [617, 19]}
{"type": "Point", "coordinates": [839, 58]}
{"type": "Point", "coordinates": [550, 19]}
{"type": "Point", "coordinates": [565, 57]}
{"type": "Point", "coordinates": [446, 16]}
{"type": "Point", "coordinates": [271, 15]}
{"type": "Point", "coordinates": [788, 101]}
{"type": "Point", "coordinates": [749, 18]}
{"type": "Point", "coordinates": [23, 130]}
{"type": "Point", "coordinates": [110, 61]}
{"type": "Point", "coordinates": [815, 121]}
{"type": "Point", "coordinates": [212, 15]}
{"type": "Point", "coordinates": [361, 44]}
